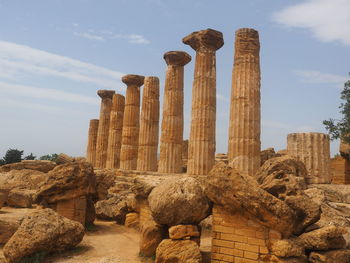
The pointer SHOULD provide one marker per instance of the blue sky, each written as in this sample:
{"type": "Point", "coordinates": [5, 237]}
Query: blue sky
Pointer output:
{"type": "Point", "coordinates": [55, 55]}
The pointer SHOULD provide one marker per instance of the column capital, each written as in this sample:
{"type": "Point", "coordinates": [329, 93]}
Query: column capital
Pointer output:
{"type": "Point", "coordinates": [131, 79]}
{"type": "Point", "coordinates": [208, 38]}
{"type": "Point", "coordinates": [177, 58]}
{"type": "Point", "coordinates": [105, 94]}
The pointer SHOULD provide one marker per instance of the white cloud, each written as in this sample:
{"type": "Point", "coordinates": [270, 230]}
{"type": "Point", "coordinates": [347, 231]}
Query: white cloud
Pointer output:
{"type": "Point", "coordinates": [328, 20]}
{"type": "Point", "coordinates": [44, 93]}
{"type": "Point", "coordinates": [16, 60]}
{"type": "Point", "coordinates": [89, 36]}
{"type": "Point", "coordinates": [313, 76]}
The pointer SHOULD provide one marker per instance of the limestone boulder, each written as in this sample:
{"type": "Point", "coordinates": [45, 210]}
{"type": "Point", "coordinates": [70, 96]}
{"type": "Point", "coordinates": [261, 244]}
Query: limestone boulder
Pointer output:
{"type": "Point", "coordinates": [116, 207]}
{"type": "Point", "coordinates": [334, 193]}
{"type": "Point", "coordinates": [63, 158]}
{"type": "Point", "coordinates": [179, 201]}
{"type": "Point", "coordinates": [183, 231]}
{"type": "Point", "coordinates": [180, 251]}
{"type": "Point", "coordinates": [282, 176]}
{"type": "Point", "coordinates": [132, 220]}
{"type": "Point", "coordinates": [144, 184]}
{"type": "Point", "coordinates": [21, 198]}
{"type": "Point", "coordinates": [105, 178]}
{"type": "Point", "coordinates": [266, 155]}
{"type": "Point", "coordinates": [330, 237]}
{"type": "Point", "coordinates": [332, 256]}
{"type": "Point", "coordinates": [67, 181]}
{"type": "Point", "coordinates": [151, 236]}
{"type": "Point", "coordinates": [8, 226]}
{"type": "Point", "coordinates": [287, 248]}
{"type": "Point", "coordinates": [240, 193]}
{"type": "Point", "coordinates": [90, 214]}
{"type": "Point", "coordinates": [21, 179]}
{"type": "Point", "coordinates": [42, 231]}
{"type": "Point", "coordinates": [3, 197]}
{"type": "Point", "coordinates": [37, 165]}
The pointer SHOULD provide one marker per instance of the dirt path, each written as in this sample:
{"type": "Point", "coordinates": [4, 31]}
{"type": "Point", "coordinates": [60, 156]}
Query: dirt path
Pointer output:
{"type": "Point", "coordinates": [112, 243]}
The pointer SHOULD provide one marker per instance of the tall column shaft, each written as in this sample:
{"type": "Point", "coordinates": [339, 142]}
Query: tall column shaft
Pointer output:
{"type": "Point", "coordinates": [131, 125]}
{"type": "Point", "coordinates": [92, 139]}
{"type": "Point", "coordinates": [313, 149]}
{"type": "Point", "coordinates": [244, 127]}
{"type": "Point", "coordinates": [201, 154]}
{"type": "Point", "coordinates": [170, 159]}
{"type": "Point", "coordinates": [115, 131]}
{"type": "Point", "coordinates": [103, 127]}
{"type": "Point", "coordinates": [149, 126]}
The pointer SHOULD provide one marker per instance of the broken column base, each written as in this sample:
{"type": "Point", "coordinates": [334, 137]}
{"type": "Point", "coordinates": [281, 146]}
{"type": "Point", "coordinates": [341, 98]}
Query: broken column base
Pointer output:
{"type": "Point", "coordinates": [74, 209]}
{"type": "Point", "coordinates": [340, 168]}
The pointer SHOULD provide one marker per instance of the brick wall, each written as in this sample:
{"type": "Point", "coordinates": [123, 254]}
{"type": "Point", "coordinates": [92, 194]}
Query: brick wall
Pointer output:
{"type": "Point", "coordinates": [340, 168]}
{"type": "Point", "coordinates": [239, 240]}
{"type": "Point", "coordinates": [74, 209]}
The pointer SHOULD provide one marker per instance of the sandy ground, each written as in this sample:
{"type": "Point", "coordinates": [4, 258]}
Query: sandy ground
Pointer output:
{"type": "Point", "coordinates": [108, 242]}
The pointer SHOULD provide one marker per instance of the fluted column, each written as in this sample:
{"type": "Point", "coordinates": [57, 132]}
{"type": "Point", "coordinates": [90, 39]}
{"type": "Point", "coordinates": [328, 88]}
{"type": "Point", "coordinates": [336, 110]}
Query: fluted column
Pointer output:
{"type": "Point", "coordinates": [313, 149]}
{"type": "Point", "coordinates": [103, 127]}
{"type": "Point", "coordinates": [92, 139]}
{"type": "Point", "coordinates": [115, 131]}
{"type": "Point", "coordinates": [244, 127]}
{"type": "Point", "coordinates": [201, 153]}
{"type": "Point", "coordinates": [131, 122]}
{"type": "Point", "coordinates": [170, 159]}
{"type": "Point", "coordinates": [149, 126]}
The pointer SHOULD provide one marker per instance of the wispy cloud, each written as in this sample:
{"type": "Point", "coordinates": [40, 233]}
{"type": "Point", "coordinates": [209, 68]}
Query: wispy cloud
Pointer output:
{"type": "Point", "coordinates": [8, 102]}
{"type": "Point", "coordinates": [313, 76]}
{"type": "Point", "coordinates": [328, 20]}
{"type": "Point", "coordinates": [132, 38]}
{"type": "Point", "coordinates": [16, 60]}
{"type": "Point", "coordinates": [45, 93]}
{"type": "Point", "coordinates": [89, 36]}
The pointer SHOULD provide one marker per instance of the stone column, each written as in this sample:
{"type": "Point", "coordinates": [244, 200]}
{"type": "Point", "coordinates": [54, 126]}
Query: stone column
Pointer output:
{"type": "Point", "coordinates": [115, 131]}
{"type": "Point", "coordinates": [92, 139]}
{"type": "Point", "coordinates": [201, 153]}
{"type": "Point", "coordinates": [131, 122]}
{"type": "Point", "coordinates": [149, 126]}
{"type": "Point", "coordinates": [312, 148]}
{"type": "Point", "coordinates": [170, 159]}
{"type": "Point", "coordinates": [103, 127]}
{"type": "Point", "coordinates": [244, 127]}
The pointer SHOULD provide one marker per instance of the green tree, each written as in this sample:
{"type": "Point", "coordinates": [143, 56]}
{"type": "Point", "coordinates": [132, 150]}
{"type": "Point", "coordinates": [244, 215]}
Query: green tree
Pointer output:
{"type": "Point", "coordinates": [49, 157]}
{"type": "Point", "coordinates": [341, 128]}
{"type": "Point", "coordinates": [13, 156]}
{"type": "Point", "coordinates": [30, 157]}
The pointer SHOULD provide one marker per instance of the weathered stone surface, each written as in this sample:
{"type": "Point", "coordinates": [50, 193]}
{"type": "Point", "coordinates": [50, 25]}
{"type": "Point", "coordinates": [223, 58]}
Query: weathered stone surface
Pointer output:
{"type": "Point", "coordinates": [171, 141]}
{"type": "Point", "coordinates": [92, 140]}
{"type": "Point", "coordinates": [308, 212]}
{"type": "Point", "coordinates": [103, 127]}
{"type": "Point", "coordinates": [151, 236]}
{"type": "Point", "coordinates": [334, 193]}
{"type": "Point", "coordinates": [3, 197]}
{"type": "Point", "coordinates": [43, 231]}
{"type": "Point", "coordinates": [63, 158]}
{"type": "Point", "coordinates": [143, 184]}
{"type": "Point", "coordinates": [8, 226]}
{"type": "Point", "coordinates": [149, 126]}
{"type": "Point", "coordinates": [332, 256]}
{"type": "Point", "coordinates": [236, 192]}
{"type": "Point", "coordinates": [116, 207]}
{"type": "Point", "coordinates": [340, 169]}
{"type": "Point", "coordinates": [90, 212]}
{"type": "Point", "coordinates": [313, 150]}
{"type": "Point", "coordinates": [183, 231]}
{"type": "Point", "coordinates": [267, 154]}
{"type": "Point", "coordinates": [104, 180]}
{"type": "Point", "coordinates": [179, 201]}
{"type": "Point", "coordinates": [282, 176]}
{"type": "Point", "coordinates": [330, 237]}
{"type": "Point", "coordinates": [201, 153]}
{"type": "Point", "coordinates": [37, 165]}
{"type": "Point", "coordinates": [115, 131]}
{"type": "Point", "coordinates": [180, 251]}
{"type": "Point", "coordinates": [275, 259]}
{"type": "Point", "coordinates": [131, 120]}
{"type": "Point", "coordinates": [344, 149]}
{"type": "Point", "coordinates": [287, 248]}
{"type": "Point", "coordinates": [68, 181]}
{"type": "Point", "coordinates": [244, 128]}
{"type": "Point", "coordinates": [21, 198]}
{"type": "Point", "coordinates": [132, 220]}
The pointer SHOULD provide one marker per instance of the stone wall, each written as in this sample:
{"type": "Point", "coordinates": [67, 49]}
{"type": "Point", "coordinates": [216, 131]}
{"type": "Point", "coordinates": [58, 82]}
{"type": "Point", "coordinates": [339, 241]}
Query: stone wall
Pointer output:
{"type": "Point", "coordinates": [340, 168]}
{"type": "Point", "coordinates": [74, 209]}
{"type": "Point", "coordinates": [239, 240]}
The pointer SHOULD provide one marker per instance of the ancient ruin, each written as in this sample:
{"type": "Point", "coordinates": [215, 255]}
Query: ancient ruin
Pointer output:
{"type": "Point", "coordinates": [313, 149]}
{"type": "Point", "coordinates": [149, 126]}
{"type": "Point", "coordinates": [103, 127]}
{"type": "Point", "coordinates": [170, 159]}
{"type": "Point", "coordinates": [131, 125]}
{"type": "Point", "coordinates": [115, 131]}
{"type": "Point", "coordinates": [201, 148]}
{"type": "Point", "coordinates": [244, 126]}
{"type": "Point", "coordinates": [92, 141]}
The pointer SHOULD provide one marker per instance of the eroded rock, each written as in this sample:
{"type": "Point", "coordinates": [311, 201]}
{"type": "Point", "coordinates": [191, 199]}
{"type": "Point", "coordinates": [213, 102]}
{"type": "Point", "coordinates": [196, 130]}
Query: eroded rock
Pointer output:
{"type": "Point", "coordinates": [332, 256]}
{"type": "Point", "coordinates": [183, 231]}
{"type": "Point", "coordinates": [151, 236]}
{"type": "Point", "coordinates": [37, 165]}
{"type": "Point", "coordinates": [180, 251]}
